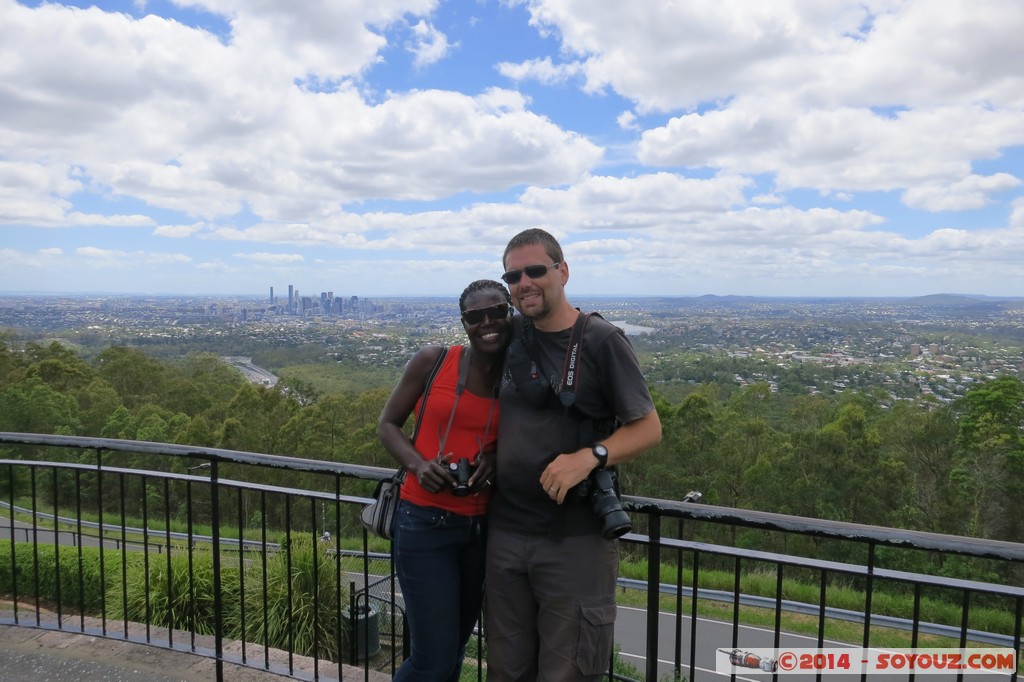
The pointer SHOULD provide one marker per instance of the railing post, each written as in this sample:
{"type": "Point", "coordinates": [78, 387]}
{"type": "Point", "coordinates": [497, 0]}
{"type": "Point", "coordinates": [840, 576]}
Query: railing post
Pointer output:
{"type": "Point", "coordinates": [653, 594]}
{"type": "Point", "coordinates": [869, 587]}
{"type": "Point", "coordinates": [14, 555]}
{"type": "Point", "coordinates": [218, 602]}
{"type": "Point", "coordinates": [102, 537]}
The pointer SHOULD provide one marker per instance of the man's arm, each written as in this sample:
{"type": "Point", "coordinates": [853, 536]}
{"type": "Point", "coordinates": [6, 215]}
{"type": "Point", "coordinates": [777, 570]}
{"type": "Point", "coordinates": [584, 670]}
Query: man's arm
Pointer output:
{"type": "Point", "coordinates": [628, 441]}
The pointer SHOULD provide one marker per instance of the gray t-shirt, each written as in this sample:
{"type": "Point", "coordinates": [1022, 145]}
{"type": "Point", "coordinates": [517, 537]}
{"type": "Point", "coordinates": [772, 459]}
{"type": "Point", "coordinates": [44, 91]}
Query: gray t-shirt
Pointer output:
{"type": "Point", "coordinates": [610, 387]}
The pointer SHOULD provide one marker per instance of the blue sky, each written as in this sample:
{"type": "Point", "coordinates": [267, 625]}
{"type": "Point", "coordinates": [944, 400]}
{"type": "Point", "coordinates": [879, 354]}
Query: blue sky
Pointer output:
{"type": "Point", "coordinates": [392, 147]}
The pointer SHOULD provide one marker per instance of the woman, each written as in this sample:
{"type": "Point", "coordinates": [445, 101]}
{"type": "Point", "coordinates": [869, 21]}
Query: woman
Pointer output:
{"type": "Point", "coordinates": [440, 528]}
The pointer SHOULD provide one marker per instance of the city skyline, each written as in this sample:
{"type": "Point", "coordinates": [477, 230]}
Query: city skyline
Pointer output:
{"type": "Point", "coordinates": [193, 147]}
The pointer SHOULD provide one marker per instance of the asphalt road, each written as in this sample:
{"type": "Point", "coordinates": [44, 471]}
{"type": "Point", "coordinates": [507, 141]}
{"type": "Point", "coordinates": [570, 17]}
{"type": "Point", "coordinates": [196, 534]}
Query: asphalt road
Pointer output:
{"type": "Point", "coordinates": [714, 635]}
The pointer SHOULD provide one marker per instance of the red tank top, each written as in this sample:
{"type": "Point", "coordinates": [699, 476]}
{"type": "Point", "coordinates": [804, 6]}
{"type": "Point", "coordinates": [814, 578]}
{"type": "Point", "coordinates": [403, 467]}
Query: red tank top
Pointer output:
{"type": "Point", "coordinates": [465, 439]}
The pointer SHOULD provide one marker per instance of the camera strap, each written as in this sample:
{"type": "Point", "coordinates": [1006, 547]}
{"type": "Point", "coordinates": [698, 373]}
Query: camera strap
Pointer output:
{"type": "Point", "coordinates": [578, 428]}
{"type": "Point", "coordinates": [460, 386]}
{"type": "Point", "coordinates": [570, 381]}
{"type": "Point", "coordinates": [573, 354]}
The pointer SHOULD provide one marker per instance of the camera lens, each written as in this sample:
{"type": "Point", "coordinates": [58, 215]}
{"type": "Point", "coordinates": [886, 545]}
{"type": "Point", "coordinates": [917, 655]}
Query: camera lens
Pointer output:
{"type": "Point", "coordinates": [605, 504]}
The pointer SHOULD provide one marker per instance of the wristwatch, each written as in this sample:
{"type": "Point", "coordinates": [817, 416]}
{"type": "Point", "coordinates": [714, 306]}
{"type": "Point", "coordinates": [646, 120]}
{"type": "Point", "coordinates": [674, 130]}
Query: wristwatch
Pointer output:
{"type": "Point", "coordinates": [601, 453]}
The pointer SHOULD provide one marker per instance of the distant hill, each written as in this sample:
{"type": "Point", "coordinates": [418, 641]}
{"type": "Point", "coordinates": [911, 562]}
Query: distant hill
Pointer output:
{"type": "Point", "coordinates": [927, 300]}
{"type": "Point", "coordinates": [961, 300]}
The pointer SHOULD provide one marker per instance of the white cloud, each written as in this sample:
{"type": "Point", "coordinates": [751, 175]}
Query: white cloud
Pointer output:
{"type": "Point", "coordinates": [973, 191]}
{"type": "Point", "coordinates": [831, 95]}
{"type": "Point", "coordinates": [737, 144]}
{"type": "Point", "coordinates": [178, 231]}
{"type": "Point", "coordinates": [172, 116]}
{"type": "Point", "coordinates": [271, 257]}
{"type": "Point", "coordinates": [131, 259]}
{"type": "Point", "coordinates": [542, 70]}
{"type": "Point", "coordinates": [841, 149]}
{"type": "Point", "coordinates": [627, 121]}
{"type": "Point", "coordinates": [430, 45]}
{"type": "Point", "coordinates": [1017, 215]}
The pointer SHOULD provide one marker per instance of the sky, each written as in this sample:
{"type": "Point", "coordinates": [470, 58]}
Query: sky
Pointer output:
{"type": "Point", "coordinates": [392, 147]}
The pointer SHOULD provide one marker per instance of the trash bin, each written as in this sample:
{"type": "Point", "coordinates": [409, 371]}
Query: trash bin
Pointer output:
{"type": "Point", "coordinates": [365, 628]}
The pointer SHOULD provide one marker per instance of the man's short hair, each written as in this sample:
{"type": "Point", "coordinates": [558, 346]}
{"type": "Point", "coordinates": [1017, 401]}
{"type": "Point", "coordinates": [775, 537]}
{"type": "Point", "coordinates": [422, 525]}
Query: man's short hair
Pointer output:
{"type": "Point", "coordinates": [535, 235]}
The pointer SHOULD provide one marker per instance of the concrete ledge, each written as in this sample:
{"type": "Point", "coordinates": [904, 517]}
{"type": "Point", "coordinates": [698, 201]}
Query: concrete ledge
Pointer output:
{"type": "Point", "coordinates": [42, 651]}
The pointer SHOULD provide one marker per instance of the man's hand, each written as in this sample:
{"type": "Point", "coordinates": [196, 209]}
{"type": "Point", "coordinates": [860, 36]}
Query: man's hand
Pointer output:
{"type": "Point", "coordinates": [565, 472]}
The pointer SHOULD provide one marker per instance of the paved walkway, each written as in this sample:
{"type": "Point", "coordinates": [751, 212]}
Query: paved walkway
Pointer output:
{"type": "Point", "coordinates": [50, 655]}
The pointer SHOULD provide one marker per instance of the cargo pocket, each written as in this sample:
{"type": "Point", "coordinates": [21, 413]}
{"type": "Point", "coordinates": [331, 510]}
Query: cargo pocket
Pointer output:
{"type": "Point", "coordinates": [594, 650]}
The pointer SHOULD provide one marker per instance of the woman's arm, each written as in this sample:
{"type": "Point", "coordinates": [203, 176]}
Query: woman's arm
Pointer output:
{"type": "Point", "coordinates": [396, 411]}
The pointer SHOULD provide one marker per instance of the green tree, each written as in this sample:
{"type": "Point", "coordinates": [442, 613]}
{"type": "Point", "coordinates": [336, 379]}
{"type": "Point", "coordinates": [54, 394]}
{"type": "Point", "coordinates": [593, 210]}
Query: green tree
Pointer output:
{"type": "Point", "coordinates": [256, 416]}
{"type": "Point", "coordinates": [198, 431]}
{"type": "Point", "coordinates": [925, 441]}
{"type": "Point", "coordinates": [61, 374]}
{"type": "Point", "coordinates": [153, 428]}
{"type": "Point", "coordinates": [746, 436]}
{"type": "Point", "coordinates": [991, 457]}
{"type": "Point", "coordinates": [96, 402]}
{"type": "Point", "coordinates": [137, 378]}
{"type": "Point", "coordinates": [33, 406]}
{"type": "Point", "coordinates": [121, 424]}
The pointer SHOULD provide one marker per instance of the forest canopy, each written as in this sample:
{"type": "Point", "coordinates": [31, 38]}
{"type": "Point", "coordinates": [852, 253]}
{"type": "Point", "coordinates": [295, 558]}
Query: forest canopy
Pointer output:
{"type": "Point", "coordinates": [854, 456]}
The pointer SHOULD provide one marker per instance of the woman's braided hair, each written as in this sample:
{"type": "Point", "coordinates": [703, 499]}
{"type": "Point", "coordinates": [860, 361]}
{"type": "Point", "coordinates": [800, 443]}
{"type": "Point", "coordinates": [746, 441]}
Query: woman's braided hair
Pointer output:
{"type": "Point", "coordinates": [481, 285]}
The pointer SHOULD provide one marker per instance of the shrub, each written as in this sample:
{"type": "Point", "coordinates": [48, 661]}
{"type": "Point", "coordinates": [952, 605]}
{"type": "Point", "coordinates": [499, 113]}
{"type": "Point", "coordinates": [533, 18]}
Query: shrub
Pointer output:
{"type": "Point", "coordinates": [80, 585]}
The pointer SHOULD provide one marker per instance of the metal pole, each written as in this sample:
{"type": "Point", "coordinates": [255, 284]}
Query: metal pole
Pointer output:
{"type": "Point", "coordinates": [218, 602]}
{"type": "Point", "coordinates": [653, 594]}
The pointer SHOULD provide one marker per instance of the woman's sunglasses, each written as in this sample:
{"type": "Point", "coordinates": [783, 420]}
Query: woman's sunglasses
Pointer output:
{"type": "Point", "coordinates": [532, 271]}
{"type": "Point", "coordinates": [477, 315]}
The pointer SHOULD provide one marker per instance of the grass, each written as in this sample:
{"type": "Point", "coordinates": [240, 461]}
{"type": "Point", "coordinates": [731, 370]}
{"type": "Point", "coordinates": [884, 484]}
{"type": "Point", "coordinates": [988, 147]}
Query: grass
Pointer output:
{"type": "Point", "coordinates": [884, 602]}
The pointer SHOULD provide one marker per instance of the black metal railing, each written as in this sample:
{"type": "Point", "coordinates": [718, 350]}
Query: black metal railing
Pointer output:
{"type": "Point", "coordinates": [196, 548]}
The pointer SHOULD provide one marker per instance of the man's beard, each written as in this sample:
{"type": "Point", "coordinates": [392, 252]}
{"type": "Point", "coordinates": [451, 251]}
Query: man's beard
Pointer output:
{"type": "Point", "coordinates": [537, 313]}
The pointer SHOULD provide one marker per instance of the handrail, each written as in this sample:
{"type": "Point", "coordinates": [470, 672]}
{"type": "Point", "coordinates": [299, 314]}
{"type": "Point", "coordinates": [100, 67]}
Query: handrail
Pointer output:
{"type": "Point", "coordinates": [979, 547]}
{"type": "Point", "coordinates": [198, 452]}
{"type": "Point", "coordinates": [895, 537]}
{"type": "Point", "coordinates": [304, 519]}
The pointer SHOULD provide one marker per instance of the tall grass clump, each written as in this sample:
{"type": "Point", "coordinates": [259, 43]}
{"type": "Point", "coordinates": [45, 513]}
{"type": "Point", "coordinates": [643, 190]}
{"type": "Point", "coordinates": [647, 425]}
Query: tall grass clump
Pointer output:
{"type": "Point", "coordinates": [182, 599]}
{"type": "Point", "coordinates": [310, 619]}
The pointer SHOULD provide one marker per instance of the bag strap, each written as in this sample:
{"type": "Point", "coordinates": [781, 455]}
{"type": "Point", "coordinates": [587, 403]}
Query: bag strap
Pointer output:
{"type": "Point", "coordinates": [427, 383]}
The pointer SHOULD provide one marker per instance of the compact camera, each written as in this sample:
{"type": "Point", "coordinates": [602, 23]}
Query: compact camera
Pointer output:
{"type": "Point", "coordinates": [599, 489]}
{"type": "Point", "coordinates": [460, 471]}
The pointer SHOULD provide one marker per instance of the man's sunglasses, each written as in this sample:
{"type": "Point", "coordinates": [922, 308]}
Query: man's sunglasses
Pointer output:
{"type": "Point", "coordinates": [477, 315]}
{"type": "Point", "coordinates": [532, 271]}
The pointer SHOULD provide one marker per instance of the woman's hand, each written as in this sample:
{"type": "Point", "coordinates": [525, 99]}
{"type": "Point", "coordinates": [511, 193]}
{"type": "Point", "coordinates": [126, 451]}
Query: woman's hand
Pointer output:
{"type": "Point", "coordinates": [433, 474]}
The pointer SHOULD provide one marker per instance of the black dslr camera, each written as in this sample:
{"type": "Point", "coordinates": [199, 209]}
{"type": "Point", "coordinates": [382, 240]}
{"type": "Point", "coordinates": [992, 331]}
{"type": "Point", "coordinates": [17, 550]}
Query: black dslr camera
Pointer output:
{"type": "Point", "coordinates": [599, 489]}
{"type": "Point", "coordinates": [461, 471]}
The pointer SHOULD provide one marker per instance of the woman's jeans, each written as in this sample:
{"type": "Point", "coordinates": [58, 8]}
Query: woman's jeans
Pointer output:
{"type": "Point", "coordinates": [439, 558]}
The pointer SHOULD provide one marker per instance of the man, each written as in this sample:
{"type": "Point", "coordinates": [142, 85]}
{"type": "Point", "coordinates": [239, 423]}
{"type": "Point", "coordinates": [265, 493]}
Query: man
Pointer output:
{"type": "Point", "coordinates": [551, 573]}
